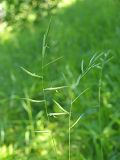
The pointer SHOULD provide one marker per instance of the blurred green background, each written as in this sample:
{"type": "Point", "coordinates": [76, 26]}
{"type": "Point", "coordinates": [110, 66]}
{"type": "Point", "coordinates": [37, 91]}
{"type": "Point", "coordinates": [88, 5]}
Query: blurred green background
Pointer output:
{"type": "Point", "coordinates": [78, 30]}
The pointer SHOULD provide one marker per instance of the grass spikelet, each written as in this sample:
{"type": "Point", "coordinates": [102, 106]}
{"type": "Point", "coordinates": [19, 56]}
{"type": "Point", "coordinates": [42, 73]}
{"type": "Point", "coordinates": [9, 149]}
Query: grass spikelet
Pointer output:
{"type": "Point", "coordinates": [57, 114]}
{"type": "Point", "coordinates": [60, 107]}
{"type": "Point", "coordinates": [33, 100]}
{"type": "Point", "coordinates": [30, 73]}
{"type": "Point", "coordinates": [55, 88]}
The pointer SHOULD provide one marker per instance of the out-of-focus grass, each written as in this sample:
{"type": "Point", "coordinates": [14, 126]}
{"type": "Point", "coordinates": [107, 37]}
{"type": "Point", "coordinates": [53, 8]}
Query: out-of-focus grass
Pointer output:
{"type": "Point", "coordinates": [77, 32]}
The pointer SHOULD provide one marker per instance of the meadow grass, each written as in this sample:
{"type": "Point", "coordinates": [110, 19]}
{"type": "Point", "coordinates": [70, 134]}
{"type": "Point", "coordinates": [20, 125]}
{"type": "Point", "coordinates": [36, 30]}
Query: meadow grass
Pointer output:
{"type": "Point", "coordinates": [77, 32]}
{"type": "Point", "coordinates": [93, 63]}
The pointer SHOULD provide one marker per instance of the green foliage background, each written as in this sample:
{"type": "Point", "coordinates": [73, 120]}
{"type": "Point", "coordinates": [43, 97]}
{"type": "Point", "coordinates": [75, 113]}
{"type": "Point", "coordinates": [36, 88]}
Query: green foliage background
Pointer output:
{"type": "Point", "coordinates": [20, 10]}
{"type": "Point", "coordinates": [78, 30]}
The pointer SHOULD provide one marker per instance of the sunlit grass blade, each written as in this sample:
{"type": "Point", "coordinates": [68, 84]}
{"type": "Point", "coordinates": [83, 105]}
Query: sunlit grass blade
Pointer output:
{"type": "Point", "coordinates": [57, 114]}
{"type": "Point", "coordinates": [79, 95]}
{"type": "Point", "coordinates": [55, 88]}
{"type": "Point", "coordinates": [30, 73]}
{"type": "Point", "coordinates": [60, 107]}
{"type": "Point", "coordinates": [33, 100]}
{"type": "Point", "coordinates": [52, 61]}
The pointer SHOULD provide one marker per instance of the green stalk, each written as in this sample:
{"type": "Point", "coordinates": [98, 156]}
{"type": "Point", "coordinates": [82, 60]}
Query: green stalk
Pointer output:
{"type": "Point", "coordinates": [100, 112]}
{"type": "Point", "coordinates": [43, 89]}
{"type": "Point", "coordinates": [70, 131]}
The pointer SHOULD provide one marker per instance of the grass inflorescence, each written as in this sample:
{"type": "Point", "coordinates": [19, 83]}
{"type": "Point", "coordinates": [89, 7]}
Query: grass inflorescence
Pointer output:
{"type": "Point", "coordinates": [97, 61]}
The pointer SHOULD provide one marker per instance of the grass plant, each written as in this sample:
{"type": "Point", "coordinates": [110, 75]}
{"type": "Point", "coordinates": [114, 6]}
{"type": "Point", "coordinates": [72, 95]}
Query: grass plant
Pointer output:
{"type": "Point", "coordinates": [68, 104]}
{"type": "Point", "coordinates": [97, 61]}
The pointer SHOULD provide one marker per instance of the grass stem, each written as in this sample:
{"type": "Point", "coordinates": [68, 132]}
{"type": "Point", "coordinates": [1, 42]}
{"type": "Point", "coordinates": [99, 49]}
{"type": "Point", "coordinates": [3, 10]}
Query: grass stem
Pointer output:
{"type": "Point", "coordinates": [70, 131]}
{"type": "Point", "coordinates": [100, 112]}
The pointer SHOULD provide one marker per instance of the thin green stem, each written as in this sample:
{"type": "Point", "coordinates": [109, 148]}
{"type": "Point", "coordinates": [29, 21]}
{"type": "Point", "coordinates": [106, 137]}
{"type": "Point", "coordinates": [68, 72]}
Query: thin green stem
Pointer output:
{"type": "Point", "coordinates": [70, 131]}
{"type": "Point", "coordinates": [30, 116]}
{"type": "Point", "coordinates": [100, 112]}
{"type": "Point", "coordinates": [44, 95]}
